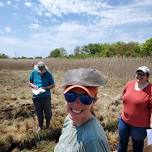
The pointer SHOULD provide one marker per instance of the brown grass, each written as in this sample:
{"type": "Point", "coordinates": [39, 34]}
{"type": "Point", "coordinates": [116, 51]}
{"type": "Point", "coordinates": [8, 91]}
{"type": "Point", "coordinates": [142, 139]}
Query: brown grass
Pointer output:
{"type": "Point", "coordinates": [112, 67]}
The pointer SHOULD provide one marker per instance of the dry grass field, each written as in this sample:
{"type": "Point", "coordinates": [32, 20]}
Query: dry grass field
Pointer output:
{"type": "Point", "coordinates": [17, 116]}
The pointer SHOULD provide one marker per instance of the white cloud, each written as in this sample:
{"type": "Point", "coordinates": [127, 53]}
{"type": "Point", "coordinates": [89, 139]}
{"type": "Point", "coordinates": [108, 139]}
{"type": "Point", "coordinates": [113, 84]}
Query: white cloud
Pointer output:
{"type": "Point", "coordinates": [34, 26]}
{"type": "Point", "coordinates": [1, 4]}
{"type": "Point", "coordinates": [67, 35]}
{"type": "Point", "coordinates": [47, 14]}
{"type": "Point", "coordinates": [143, 2]}
{"type": "Point", "coordinates": [101, 11]}
{"type": "Point", "coordinates": [124, 16]}
{"type": "Point", "coordinates": [9, 2]}
{"type": "Point", "coordinates": [60, 7]}
{"type": "Point", "coordinates": [39, 13]}
{"type": "Point", "coordinates": [44, 40]}
{"type": "Point", "coordinates": [28, 3]}
{"type": "Point", "coordinates": [7, 29]}
{"type": "Point", "coordinates": [1, 31]}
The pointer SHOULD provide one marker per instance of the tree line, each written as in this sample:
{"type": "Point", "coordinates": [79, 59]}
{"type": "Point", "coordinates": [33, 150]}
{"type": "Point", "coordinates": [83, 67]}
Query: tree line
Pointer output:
{"type": "Point", "coordinates": [119, 49]}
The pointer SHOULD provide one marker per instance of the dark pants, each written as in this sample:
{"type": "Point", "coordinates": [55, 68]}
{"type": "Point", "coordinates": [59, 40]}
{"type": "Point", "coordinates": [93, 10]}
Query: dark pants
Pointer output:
{"type": "Point", "coordinates": [137, 134]}
{"type": "Point", "coordinates": [43, 107]}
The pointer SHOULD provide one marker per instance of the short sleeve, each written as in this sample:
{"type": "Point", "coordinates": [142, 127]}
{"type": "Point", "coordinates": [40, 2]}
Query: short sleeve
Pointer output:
{"type": "Point", "coordinates": [95, 146]}
{"type": "Point", "coordinates": [31, 77]}
{"type": "Point", "coordinates": [125, 88]}
{"type": "Point", "coordinates": [51, 80]}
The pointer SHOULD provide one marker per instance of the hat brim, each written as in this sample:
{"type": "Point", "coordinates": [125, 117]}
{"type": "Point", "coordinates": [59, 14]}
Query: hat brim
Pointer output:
{"type": "Point", "coordinates": [144, 69]}
{"type": "Point", "coordinates": [141, 70]}
{"type": "Point", "coordinates": [91, 91]}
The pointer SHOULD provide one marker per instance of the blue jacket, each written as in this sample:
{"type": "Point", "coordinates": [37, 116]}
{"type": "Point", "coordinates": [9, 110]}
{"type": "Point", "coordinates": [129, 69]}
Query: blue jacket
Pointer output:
{"type": "Point", "coordinates": [43, 80]}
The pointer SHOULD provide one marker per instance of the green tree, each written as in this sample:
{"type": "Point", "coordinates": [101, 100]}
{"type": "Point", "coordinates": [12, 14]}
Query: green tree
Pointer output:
{"type": "Point", "coordinates": [132, 49]}
{"type": "Point", "coordinates": [147, 48]}
{"type": "Point", "coordinates": [104, 50]}
{"type": "Point", "coordinates": [38, 57]}
{"type": "Point", "coordinates": [77, 50]}
{"type": "Point", "coordinates": [2, 55]}
{"type": "Point", "coordinates": [118, 49]}
{"type": "Point", "coordinates": [58, 52]}
{"type": "Point", "coordinates": [91, 49]}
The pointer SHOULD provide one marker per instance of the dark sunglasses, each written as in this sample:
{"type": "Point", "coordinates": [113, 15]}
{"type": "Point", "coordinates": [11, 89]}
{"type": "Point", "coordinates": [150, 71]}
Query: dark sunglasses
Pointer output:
{"type": "Point", "coordinates": [84, 98]}
{"type": "Point", "coordinates": [141, 74]}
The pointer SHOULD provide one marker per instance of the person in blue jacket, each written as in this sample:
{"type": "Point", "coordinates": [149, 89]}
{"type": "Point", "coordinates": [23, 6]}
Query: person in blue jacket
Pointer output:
{"type": "Point", "coordinates": [41, 81]}
{"type": "Point", "coordinates": [82, 132]}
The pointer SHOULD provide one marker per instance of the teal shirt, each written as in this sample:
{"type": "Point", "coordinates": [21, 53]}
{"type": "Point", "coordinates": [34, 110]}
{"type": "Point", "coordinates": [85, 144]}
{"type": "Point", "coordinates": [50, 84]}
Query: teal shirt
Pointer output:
{"type": "Point", "coordinates": [43, 80]}
{"type": "Point", "coordinates": [89, 137]}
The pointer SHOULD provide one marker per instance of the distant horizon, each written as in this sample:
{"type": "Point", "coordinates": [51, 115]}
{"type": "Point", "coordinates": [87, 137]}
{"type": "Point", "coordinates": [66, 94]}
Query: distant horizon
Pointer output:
{"type": "Point", "coordinates": [33, 28]}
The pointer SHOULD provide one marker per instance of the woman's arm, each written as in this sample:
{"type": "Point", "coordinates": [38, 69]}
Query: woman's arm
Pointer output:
{"type": "Point", "coordinates": [32, 86]}
{"type": "Point", "coordinates": [49, 86]}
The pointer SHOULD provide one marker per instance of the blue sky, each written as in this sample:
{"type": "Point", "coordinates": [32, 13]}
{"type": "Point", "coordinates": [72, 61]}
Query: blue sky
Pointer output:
{"type": "Point", "coordinates": [35, 27]}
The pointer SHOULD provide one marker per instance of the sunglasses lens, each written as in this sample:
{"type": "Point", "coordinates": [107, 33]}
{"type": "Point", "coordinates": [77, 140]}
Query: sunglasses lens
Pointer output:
{"type": "Point", "coordinates": [85, 99]}
{"type": "Point", "coordinates": [141, 74]}
{"type": "Point", "coordinates": [70, 96]}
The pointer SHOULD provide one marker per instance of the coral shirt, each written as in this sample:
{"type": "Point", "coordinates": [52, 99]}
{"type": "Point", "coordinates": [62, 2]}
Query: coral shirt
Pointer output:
{"type": "Point", "coordinates": [137, 105]}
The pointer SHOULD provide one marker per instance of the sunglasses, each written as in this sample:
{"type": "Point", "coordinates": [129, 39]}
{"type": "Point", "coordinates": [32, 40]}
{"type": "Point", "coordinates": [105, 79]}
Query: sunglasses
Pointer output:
{"type": "Point", "coordinates": [141, 74]}
{"type": "Point", "coordinates": [84, 98]}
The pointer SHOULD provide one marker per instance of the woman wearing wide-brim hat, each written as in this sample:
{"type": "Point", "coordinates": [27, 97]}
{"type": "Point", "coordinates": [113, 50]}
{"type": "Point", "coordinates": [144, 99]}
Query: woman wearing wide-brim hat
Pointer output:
{"type": "Point", "coordinates": [82, 132]}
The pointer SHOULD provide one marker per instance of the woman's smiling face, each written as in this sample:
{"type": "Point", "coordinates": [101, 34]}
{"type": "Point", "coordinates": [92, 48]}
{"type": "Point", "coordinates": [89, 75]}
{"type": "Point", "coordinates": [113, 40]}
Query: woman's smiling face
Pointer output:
{"type": "Point", "coordinates": [78, 112]}
{"type": "Point", "coordinates": [141, 76]}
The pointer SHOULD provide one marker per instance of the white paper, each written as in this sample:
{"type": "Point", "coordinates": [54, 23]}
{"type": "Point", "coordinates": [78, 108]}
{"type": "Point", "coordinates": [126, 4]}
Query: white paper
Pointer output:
{"type": "Point", "coordinates": [36, 92]}
{"type": "Point", "coordinates": [149, 136]}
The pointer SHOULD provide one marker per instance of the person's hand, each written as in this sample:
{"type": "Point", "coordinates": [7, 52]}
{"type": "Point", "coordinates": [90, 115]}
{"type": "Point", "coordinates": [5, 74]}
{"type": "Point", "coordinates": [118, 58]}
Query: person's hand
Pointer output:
{"type": "Point", "coordinates": [44, 88]}
{"type": "Point", "coordinates": [151, 125]}
{"type": "Point", "coordinates": [35, 87]}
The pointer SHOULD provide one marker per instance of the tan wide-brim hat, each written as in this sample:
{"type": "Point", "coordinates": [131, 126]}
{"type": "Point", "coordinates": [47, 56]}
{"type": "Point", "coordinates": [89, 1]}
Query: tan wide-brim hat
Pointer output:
{"type": "Point", "coordinates": [84, 77]}
{"type": "Point", "coordinates": [40, 65]}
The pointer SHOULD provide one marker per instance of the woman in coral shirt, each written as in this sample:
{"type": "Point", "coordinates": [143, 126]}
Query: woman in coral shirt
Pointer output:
{"type": "Point", "coordinates": [136, 115]}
